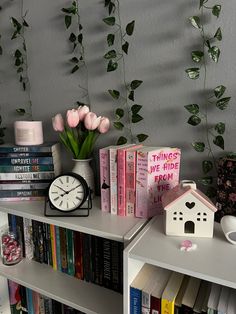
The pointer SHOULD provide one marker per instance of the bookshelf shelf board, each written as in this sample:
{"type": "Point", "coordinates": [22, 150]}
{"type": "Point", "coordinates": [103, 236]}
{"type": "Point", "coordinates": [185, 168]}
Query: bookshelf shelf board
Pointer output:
{"type": "Point", "coordinates": [98, 223]}
{"type": "Point", "coordinates": [83, 296]}
{"type": "Point", "coordinates": [213, 260]}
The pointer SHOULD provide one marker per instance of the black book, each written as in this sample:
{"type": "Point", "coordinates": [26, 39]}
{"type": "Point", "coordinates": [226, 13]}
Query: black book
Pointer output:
{"type": "Point", "coordinates": [87, 256]}
{"type": "Point", "coordinates": [97, 258]}
{"type": "Point", "coordinates": [56, 307]}
{"type": "Point", "coordinates": [107, 263]}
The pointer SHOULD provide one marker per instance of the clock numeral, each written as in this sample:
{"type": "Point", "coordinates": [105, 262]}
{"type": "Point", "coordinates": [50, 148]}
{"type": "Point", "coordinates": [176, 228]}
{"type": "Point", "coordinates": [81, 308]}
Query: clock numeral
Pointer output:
{"type": "Point", "coordinates": [60, 203]}
{"type": "Point", "coordinates": [78, 198]}
{"type": "Point", "coordinates": [67, 179]}
{"type": "Point", "coordinates": [54, 192]}
{"type": "Point", "coordinates": [61, 181]}
{"type": "Point", "coordinates": [55, 199]}
{"type": "Point", "coordinates": [67, 205]}
{"type": "Point", "coordinates": [80, 192]}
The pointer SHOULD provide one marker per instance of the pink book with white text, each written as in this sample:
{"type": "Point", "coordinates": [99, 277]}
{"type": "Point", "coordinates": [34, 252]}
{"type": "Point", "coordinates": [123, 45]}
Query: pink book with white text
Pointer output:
{"type": "Point", "coordinates": [157, 172]}
{"type": "Point", "coordinates": [121, 178]}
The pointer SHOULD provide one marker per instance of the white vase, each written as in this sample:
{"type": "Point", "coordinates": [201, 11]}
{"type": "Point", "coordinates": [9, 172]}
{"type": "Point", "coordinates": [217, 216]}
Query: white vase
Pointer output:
{"type": "Point", "coordinates": [28, 132]}
{"type": "Point", "coordinates": [228, 225]}
{"type": "Point", "coordinates": [84, 169]}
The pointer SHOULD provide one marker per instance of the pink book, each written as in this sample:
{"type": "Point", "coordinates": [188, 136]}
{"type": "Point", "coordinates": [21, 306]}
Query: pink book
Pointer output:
{"type": "Point", "coordinates": [105, 178]}
{"type": "Point", "coordinates": [157, 172]}
{"type": "Point", "coordinates": [121, 178]}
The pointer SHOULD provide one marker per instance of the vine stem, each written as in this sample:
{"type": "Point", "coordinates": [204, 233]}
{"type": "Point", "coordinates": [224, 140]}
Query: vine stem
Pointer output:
{"type": "Point", "coordinates": [204, 88]}
{"type": "Point", "coordinates": [124, 75]}
{"type": "Point", "coordinates": [82, 51]}
{"type": "Point", "coordinates": [28, 88]}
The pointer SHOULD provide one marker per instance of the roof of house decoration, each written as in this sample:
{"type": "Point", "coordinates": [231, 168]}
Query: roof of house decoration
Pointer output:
{"type": "Point", "coordinates": [180, 191]}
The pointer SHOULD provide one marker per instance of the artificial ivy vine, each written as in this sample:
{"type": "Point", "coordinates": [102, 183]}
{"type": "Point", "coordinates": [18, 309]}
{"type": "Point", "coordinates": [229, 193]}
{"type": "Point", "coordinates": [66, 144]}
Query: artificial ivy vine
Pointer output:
{"type": "Point", "coordinates": [128, 110]}
{"type": "Point", "coordinates": [200, 112]}
{"type": "Point", "coordinates": [2, 129]}
{"type": "Point", "coordinates": [73, 21]}
{"type": "Point", "coordinates": [21, 58]}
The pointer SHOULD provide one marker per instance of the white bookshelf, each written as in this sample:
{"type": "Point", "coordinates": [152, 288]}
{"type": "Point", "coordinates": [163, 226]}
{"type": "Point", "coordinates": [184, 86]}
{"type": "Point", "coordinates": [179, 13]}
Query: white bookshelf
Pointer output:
{"type": "Point", "coordinates": [86, 297]}
{"type": "Point", "coordinates": [213, 260]}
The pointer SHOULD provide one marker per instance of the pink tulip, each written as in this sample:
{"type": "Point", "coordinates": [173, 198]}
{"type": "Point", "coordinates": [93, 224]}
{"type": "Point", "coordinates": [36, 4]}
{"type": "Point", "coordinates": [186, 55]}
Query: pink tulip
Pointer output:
{"type": "Point", "coordinates": [104, 125]}
{"type": "Point", "coordinates": [72, 118]}
{"type": "Point", "coordinates": [58, 123]}
{"type": "Point", "coordinates": [91, 121]}
{"type": "Point", "coordinates": [82, 110]}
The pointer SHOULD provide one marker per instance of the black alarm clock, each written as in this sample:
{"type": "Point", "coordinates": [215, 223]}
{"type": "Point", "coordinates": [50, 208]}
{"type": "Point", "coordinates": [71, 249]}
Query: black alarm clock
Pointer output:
{"type": "Point", "coordinates": [68, 192]}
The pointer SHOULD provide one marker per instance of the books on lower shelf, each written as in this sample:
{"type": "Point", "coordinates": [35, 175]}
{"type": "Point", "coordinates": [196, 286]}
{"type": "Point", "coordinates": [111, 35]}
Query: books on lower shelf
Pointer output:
{"type": "Point", "coordinates": [134, 177]}
{"type": "Point", "coordinates": [176, 293]}
{"type": "Point", "coordinates": [26, 171]}
{"type": "Point", "coordinates": [17, 299]}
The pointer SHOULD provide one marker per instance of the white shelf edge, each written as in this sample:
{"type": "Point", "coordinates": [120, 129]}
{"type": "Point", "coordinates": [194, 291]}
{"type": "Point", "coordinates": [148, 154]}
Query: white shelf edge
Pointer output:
{"type": "Point", "coordinates": [81, 295]}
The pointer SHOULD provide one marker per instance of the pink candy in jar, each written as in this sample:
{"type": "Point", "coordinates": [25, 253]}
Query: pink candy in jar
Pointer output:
{"type": "Point", "coordinates": [11, 249]}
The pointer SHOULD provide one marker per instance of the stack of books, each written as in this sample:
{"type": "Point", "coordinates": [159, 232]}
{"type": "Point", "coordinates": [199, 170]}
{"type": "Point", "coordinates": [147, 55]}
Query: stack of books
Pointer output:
{"type": "Point", "coordinates": [158, 290]}
{"type": "Point", "coordinates": [134, 177]}
{"type": "Point", "coordinates": [26, 171]}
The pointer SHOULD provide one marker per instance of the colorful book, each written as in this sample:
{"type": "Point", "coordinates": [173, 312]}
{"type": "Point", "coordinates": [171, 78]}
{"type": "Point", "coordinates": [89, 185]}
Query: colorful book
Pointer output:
{"type": "Point", "coordinates": [157, 172]}
{"type": "Point", "coordinates": [170, 293]}
{"type": "Point", "coordinates": [70, 252]}
{"type": "Point", "coordinates": [36, 302]}
{"type": "Point", "coordinates": [47, 147]}
{"type": "Point", "coordinates": [22, 193]}
{"type": "Point", "coordinates": [44, 175]}
{"type": "Point", "coordinates": [14, 297]}
{"type": "Point", "coordinates": [121, 178]}
{"type": "Point", "coordinates": [29, 161]}
{"type": "Point", "coordinates": [53, 246]}
{"type": "Point", "coordinates": [25, 198]}
{"type": "Point", "coordinates": [27, 168]}
{"type": "Point", "coordinates": [113, 177]}
{"type": "Point", "coordinates": [4, 296]}
{"type": "Point", "coordinates": [29, 297]}
{"type": "Point", "coordinates": [24, 186]}
{"type": "Point", "coordinates": [190, 295]}
{"type": "Point", "coordinates": [104, 162]}
{"type": "Point", "coordinates": [58, 248]}
{"type": "Point", "coordinates": [63, 251]}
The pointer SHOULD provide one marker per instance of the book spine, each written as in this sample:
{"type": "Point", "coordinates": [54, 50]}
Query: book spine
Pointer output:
{"type": "Point", "coordinates": [115, 266]}
{"type": "Point", "coordinates": [48, 231]}
{"type": "Point", "coordinates": [167, 307]}
{"type": "Point", "coordinates": [135, 300]}
{"type": "Point", "coordinates": [32, 154]}
{"type": "Point", "coordinates": [63, 255]}
{"type": "Point", "coordinates": [4, 297]}
{"type": "Point", "coordinates": [35, 302]}
{"type": "Point", "coordinates": [27, 161]}
{"type": "Point", "coordinates": [14, 297]}
{"type": "Point", "coordinates": [78, 251]}
{"type": "Point", "coordinates": [70, 252]}
{"type": "Point", "coordinates": [41, 305]}
{"type": "Point", "coordinates": [141, 209]}
{"type": "Point", "coordinates": [12, 224]}
{"type": "Point", "coordinates": [29, 297]}
{"type": "Point", "coordinates": [58, 248]}
{"type": "Point", "coordinates": [24, 186]}
{"type": "Point", "coordinates": [45, 244]}
{"type": "Point", "coordinates": [18, 199]}
{"type": "Point", "coordinates": [107, 279]}
{"type": "Point", "coordinates": [98, 260]}
{"type": "Point", "coordinates": [23, 297]}
{"type": "Point", "coordinates": [86, 249]}
{"type": "Point", "coordinates": [22, 193]}
{"type": "Point", "coordinates": [104, 179]}
{"type": "Point", "coordinates": [46, 175]}
{"type": "Point", "coordinates": [50, 147]}
{"type": "Point", "coordinates": [20, 233]}
{"type": "Point", "coordinates": [29, 168]}
{"type": "Point", "coordinates": [130, 174]}
{"type": "Point", "coordinates": [155, 305]}
{"type": "Point", "coordinates": [47, 305]}
{"type": "Point", "coordinates": [113, 180]}
{"type": "Point", "coordinates": [53, 245]}
{"type": "Point", "coordinates": [121, 153]}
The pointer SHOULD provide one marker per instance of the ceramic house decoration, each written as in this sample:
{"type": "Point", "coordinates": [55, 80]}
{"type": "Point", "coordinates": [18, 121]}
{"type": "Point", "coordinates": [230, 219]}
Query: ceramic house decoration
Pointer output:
{"type": "Point", "coordinates": [188, 211]}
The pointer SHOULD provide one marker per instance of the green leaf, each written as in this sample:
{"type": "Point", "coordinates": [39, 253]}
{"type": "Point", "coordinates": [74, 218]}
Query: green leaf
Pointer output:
{"type": "Point", "coordinates": [193, 73]}
{"type": "Point", "coordinates": [110, 39]}
{"type": "Point", "coordinates": [119, 113]}
{"type": "Point", "coordinates": [107, 2]}
{"type": "Point", "coordinates": [125, 47]}
{"type": "Point", "coordinates": [135, 84]}
{"type": "Point", "coordinates": [136, 108]}
{"type": "Point", "coordinates": [220, 128]}
{"type": "Point", "coordinates": [16, 24]}
{"type": "Point", "coordinates": [72, 37]}
{"type": "Point", "coordinates": [121, 140]}
{"type": "Point", "coordinates": [197, 56]}
{"type": "Point", "coordinates": [219, 91]}
{"type": "Point", "coordinates": [1, 50]}
{"type": "Point", "coordinates": [207, 166]}
{"type": "Point", "coordinates": [223, 103]}
{"type": "Point", "coordinates": [206, 180]}
{"type": "Point", "coordinates": [207, 43]}
{"type": "Point", "coordinates": [130, 28]}
{"type": "Point", "coordinates": [201, 3]}
{"type": "Point", "coordinates": [24, 86]}
{"type": "Point", "coordinates": [216, 10]}
{"type": "Point", "coordinates": [75, 68]}
{"type": "Point", "coordinates": [25, 23]}
{"type": "Point", "coordinates": [131, 95]}
{"type": "Point", "coordinates": [219, 141]}
{"type": "Point", "coordinates": [111, 20]}
{"type": "Point", "coordinates": [20, 70]}
{"type": "Point", "coordinates": [80, 38]}
{"type": "Point", "coordinates": [112, 66]}
{"type": "Point", "coordinates": [17, 54]}
{"type": "Point", "coordinates": [18, 62]}
{"type": "Point", "coordinates": [14, 35]}
{"type": "Point", "coordinates": [142, 137]}
{"type": "Point", "coordinates": [218, 34]}
{"type": "Point", "coordinates": [214, 53]}
{"type": "Point", "coordinates": [194, 120]}
{"type": "Point", "coordinates": [118, 125]}
{"type": "Point", "coordinates": [110, 54]}
{"type": "Point", "coordinates": [111, 6]}
{"type": "Point", "coordinates": [114, 93]}
{"type": "Point", "coordinates": [136, 118]}
{"type": "Point", "coordinates": [74, 60]}
{"type": "Point", "coordinates": [71, 10]}
{"type": "Point", "coordinates": [192, 108]}
{"type": "Point", "coordinates": [195, 21]}
{"type": "Point", "coordinates": [199, 146]}
{"type": "Point", "coordinates": [20, 111]}
{"type": "Point", "coordinates": [68, 21]}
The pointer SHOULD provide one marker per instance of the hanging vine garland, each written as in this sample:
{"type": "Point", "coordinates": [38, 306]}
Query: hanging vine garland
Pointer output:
{"type": "Point", "coordinates": [128, 111]}
{"type": "Point", "coordinates": [73, 20]}
{"type": "Point", "coordinates": [200, 113]}
{"type": "Point", "coordinates": [21, 58]}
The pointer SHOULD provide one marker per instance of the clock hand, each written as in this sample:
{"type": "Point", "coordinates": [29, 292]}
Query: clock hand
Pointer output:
{"type": "Point", "coordinates": [67, 192]}
{"type": "Point", "coordinates": [60, 188]}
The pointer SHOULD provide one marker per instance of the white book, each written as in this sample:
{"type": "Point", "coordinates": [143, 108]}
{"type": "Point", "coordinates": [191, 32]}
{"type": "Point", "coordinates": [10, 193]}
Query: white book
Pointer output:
{"type": "Point", "coordinates": [213, 298]}
{"type": "Point", "coordinates": [4, 296]}
{"type": "Point", "coordinates": [231, 309]}
{"type": "Point", "coordinates": [191, 292]}
{"type": "Point", "coordinates": [199, 303]}
{"type": "Point", "coordinates": [223, 300]}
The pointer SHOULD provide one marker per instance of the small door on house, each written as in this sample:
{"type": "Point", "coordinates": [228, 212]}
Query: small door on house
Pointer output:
{"type": "Point", "coordinates": [189, 227]}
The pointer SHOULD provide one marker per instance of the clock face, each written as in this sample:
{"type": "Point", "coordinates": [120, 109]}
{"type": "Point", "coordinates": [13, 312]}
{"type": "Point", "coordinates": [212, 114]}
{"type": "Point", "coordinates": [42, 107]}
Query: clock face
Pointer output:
{"type": "Point", "coordinates": [68, 192]}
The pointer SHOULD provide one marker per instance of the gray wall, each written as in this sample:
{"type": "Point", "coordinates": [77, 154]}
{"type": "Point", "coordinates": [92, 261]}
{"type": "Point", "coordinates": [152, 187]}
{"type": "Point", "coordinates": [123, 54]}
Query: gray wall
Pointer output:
{"type": "Point", "coordinates": [159, 53]}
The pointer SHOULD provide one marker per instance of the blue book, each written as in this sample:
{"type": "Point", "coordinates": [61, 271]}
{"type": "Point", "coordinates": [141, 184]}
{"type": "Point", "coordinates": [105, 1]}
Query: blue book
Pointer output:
{"type": "Point", "coordinates": [29, 298]}
{"type": "Point", "coordinates": [43, 148]}
{"type": "Point", "coordinates": [135, 301]}
{"type": "Point", "coordinates": [58, 248]}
